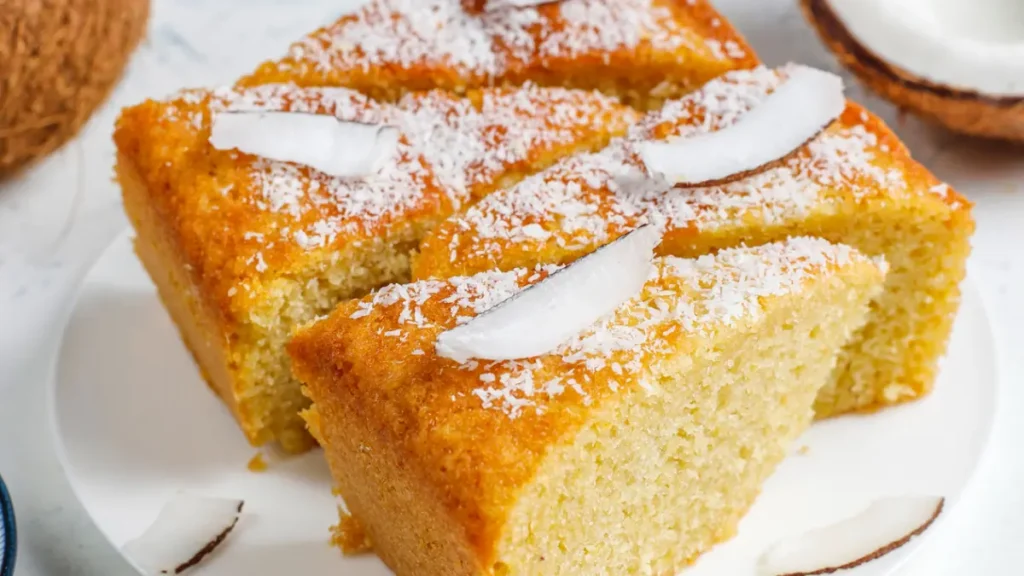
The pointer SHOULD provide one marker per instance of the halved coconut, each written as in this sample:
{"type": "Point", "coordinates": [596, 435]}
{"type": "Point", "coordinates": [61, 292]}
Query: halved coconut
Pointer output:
{"type": "Point", "coordinates": [547, 314]}
{"type": "Point", "coordinates": [883, 527]}
{"type": "Point", "coordinates": [333, 146]}
{"type": "Point", "coordinates": [187, 530]}
{"type": "Point", "coordinates": [958, 63]}
{"type": "Point", "coordinates": [797, 111]}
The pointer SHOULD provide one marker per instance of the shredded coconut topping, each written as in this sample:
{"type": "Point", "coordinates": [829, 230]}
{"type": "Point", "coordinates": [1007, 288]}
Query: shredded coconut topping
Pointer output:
{"type": "Point", "coordinates": [584, 199]}
{"type": "Point", "coordinates": [682, 297]}
{"type": "Point", "coordinates": [488, 43]}
{"type": "Point", "coordinates": [449, 149]}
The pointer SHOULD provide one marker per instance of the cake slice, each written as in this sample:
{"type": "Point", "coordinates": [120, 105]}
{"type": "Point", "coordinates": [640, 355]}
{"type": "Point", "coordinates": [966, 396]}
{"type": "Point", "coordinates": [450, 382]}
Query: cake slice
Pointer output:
{"type": "Point", "coordinates": [641, 51]}
{"type": "Point", "coordinates": [243, 248]}
{"type": "Point", "coordinates": [632, 448]}
{"type": "Point", "coordinates": [854, 183]}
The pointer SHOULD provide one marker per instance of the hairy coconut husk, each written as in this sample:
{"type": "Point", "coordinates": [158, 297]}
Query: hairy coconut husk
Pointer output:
{"type": "Point", "coordinates": [962, 111]}
{"type": "Point", "coordinates": [58, 61]}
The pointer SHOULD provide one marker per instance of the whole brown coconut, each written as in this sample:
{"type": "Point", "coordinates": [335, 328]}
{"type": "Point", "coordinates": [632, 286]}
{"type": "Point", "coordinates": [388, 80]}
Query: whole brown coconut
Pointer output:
{"type": "Point", "coordinates": [962, 111]}
{"type": "Point", "coordinates": [58, 61]}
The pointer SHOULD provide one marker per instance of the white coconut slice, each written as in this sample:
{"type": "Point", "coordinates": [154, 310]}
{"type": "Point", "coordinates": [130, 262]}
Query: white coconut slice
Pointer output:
{"type": "Point", "coordinates": [884, 526]}
{"type": "Point", "coordinates": [187, 530]}
{"type": "Point", "coordinates": [547, 314]}
{"type": "Point", "coordinates": [797, 111]}
{"type": "Point", "coordinates": [973, 46]}
{"type": "Point", "coordinates": [493, 5]}
{"type": "Point", "coordinates": [335, 147]}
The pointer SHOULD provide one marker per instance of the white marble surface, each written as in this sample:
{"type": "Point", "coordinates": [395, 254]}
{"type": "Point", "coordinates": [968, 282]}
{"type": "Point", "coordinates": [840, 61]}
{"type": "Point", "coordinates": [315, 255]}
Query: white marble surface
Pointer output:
{"type": "Point", "coordinates": [198, 42]}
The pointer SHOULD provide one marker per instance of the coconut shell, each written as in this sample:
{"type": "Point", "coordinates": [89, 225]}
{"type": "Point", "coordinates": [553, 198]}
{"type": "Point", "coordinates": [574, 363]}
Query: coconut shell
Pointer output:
{"type": "Point", "coordinates": [962, 111]}
{"type": "Point", "coordinates": [58, 61]}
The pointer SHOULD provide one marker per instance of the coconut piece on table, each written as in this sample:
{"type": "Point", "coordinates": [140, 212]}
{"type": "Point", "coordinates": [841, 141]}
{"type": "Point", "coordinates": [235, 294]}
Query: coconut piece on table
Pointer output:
{"type": "Point", "coordinates": [960, 64]}
{"type": "Point", "coordinates": [972, 46]}
{"type": "Point", "coordinates": [59, 61]}
{"type": "Point", "coordinates": [186, 531]}
{"type": "Point", "coordinates": [336, 147]}
{"type": "Point", "coordinates": [884, 526]}
{"type": "Point", "coordinates": [803, 105]}
{"type": "Point", "coordinates": [547, 314]}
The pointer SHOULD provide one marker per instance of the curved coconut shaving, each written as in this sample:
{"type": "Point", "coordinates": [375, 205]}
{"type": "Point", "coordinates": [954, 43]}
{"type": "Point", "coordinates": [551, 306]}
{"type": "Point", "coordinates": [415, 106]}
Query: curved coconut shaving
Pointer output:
{"type": "Point", "coordinates": [187, 530]}
{"type": "Point", "coordinates": [547, 314]}
{"type": "Point", "coordinates": [493, 5]}
{"type": "Point", "coordinates": [791, 116]}
{"type": "Point", "coordinates": [883, 527]}
{"type": "Point", "coordinates": [335, 147]}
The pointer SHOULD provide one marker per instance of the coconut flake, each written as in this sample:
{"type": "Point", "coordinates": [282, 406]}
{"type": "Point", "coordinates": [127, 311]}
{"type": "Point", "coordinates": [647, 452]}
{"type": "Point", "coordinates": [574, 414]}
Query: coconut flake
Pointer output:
{"type": "Point", "coordinates": [886, 525]}
{"type": "Point", "coordinates": [187, 530]}
{"type": "Point", "coordinates": [547, 314]}
{"type": "Point", "coordinates": [333, 146]}
{"type": "Point", "coordinates": [494, 5]}
{"type": "Point", "coordinates": [791, 116]}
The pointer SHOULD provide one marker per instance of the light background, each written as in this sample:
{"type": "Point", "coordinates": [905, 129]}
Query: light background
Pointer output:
{"type": "Point", "coordinates": [197, 42]}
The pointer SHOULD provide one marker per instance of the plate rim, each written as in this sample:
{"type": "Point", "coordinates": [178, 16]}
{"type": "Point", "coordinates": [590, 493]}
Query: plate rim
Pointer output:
{"type": "Point", "coordinates": [967, 286]}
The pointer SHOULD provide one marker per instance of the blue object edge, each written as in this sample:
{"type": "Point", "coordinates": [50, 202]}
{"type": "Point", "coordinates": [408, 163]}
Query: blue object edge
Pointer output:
{"type": "Point", "coordinates": [8, 532]}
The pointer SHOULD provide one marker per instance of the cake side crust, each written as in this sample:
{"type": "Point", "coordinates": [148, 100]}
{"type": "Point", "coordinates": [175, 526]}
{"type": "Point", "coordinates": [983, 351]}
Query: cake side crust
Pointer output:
{"type": "Point", "coordinates": [472, 436]}
{"type": "Point", "coordinates": [201, 331]}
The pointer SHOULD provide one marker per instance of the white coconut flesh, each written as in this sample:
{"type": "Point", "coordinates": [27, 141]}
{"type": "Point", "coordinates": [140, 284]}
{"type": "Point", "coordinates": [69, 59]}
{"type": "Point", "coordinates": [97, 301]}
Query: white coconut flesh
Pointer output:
{"type": "Point", "coordinates": [187, 529]}
{"type": "Point", "coordinates": [971, 46]}
{"type": "Point", "coordinates": [884, 526]}
{"type": "Point", "coordinates": [804, 104]}
{"type": "Point", "coordinates": [335, 147]}
{"type": "Point", "coordinates": [493, 5]}
{"type": "Point", "coordinates": [545, 315]}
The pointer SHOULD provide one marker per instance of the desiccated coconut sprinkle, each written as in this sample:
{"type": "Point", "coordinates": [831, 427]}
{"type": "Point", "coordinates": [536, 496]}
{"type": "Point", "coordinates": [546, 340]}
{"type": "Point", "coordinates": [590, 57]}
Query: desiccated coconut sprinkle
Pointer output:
{"type": "Point", "coordinates": [442, 33]}
{"type": "Point", "coordinates": [586, 197]}
{"type": "Point", "coordinates": [685, 296]}
{"type": "Point", "coordinates": [448, 144]}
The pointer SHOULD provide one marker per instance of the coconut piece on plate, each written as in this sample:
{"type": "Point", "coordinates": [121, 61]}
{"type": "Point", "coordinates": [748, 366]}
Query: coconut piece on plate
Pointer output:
{"type": "Point", "coordinates": [545, 315]}
{"type": "Point", "coordinates": [335, 147]}
{"type": "Point", "coordinates": [187, 530]}
{"type": "Point", "coordinates": [884, 526]}
{"type": "Point", "coordinates": [958, 63]}
{"type": "Point", "coordinates": [797, 111]}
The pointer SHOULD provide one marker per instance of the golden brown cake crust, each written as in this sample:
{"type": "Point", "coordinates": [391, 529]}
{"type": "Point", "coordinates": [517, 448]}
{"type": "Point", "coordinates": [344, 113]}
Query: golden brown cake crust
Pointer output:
{"type": "Point", "coordinates": [476, 432]}
{"type": "Point", "coordinates": [199, 325]}
{"type": "Point", "coordinates": [259, 246]}
{"type": "Point", "coordinates": [855, 183]}
{"type": "Point", "coordinates": [241, 221]}
{"type": "Point", "coordinates": [619, 46]}
{"type": "Point", "coordinates": [588, 200]}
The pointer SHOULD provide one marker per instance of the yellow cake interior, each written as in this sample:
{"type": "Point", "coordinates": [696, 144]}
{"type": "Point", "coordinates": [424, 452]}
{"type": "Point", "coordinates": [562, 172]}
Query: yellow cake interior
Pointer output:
{"type": "Point", "coordinates": [648, 462]}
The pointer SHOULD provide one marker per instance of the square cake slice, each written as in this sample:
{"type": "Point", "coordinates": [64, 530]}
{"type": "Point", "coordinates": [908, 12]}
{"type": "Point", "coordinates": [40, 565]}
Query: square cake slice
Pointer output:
{"type": "Point", "coordinates": [243, 248]}
{"type": "Point", "coordinates": [631, 448]}
{"type": "Point", "coordinates": [641, 51]}
{"type": "Point", "coordinates": [855, 183]}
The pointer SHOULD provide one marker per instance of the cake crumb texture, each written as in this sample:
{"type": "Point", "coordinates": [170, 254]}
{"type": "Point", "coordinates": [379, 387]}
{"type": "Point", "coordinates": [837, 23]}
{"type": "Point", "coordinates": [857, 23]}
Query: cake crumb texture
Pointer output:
{"type": "Point", "coordinates": [349, 535]}
{"type": "Point", "coordinates": [854, 184]}
{"type": "Point", "coordinates": [630, 449]}
{"type": "Point", "coordinates": [243, 249]}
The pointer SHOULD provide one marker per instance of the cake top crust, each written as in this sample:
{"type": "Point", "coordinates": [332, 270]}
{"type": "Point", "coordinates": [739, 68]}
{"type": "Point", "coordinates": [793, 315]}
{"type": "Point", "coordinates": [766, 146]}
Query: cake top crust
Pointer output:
{"type": "Point", "coordinates": [480, 428]}
{"type": "Point", "coordinates": [243, 220]}
{"type": "Point", "coordinates": [590, 199]}
{"type": "Point", "coordinates": [455, 44]}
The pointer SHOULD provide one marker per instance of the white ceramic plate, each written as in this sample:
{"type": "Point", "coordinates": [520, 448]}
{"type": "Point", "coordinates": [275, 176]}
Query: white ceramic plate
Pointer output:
{"type": "Point", "coordinates": [136, 424]}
